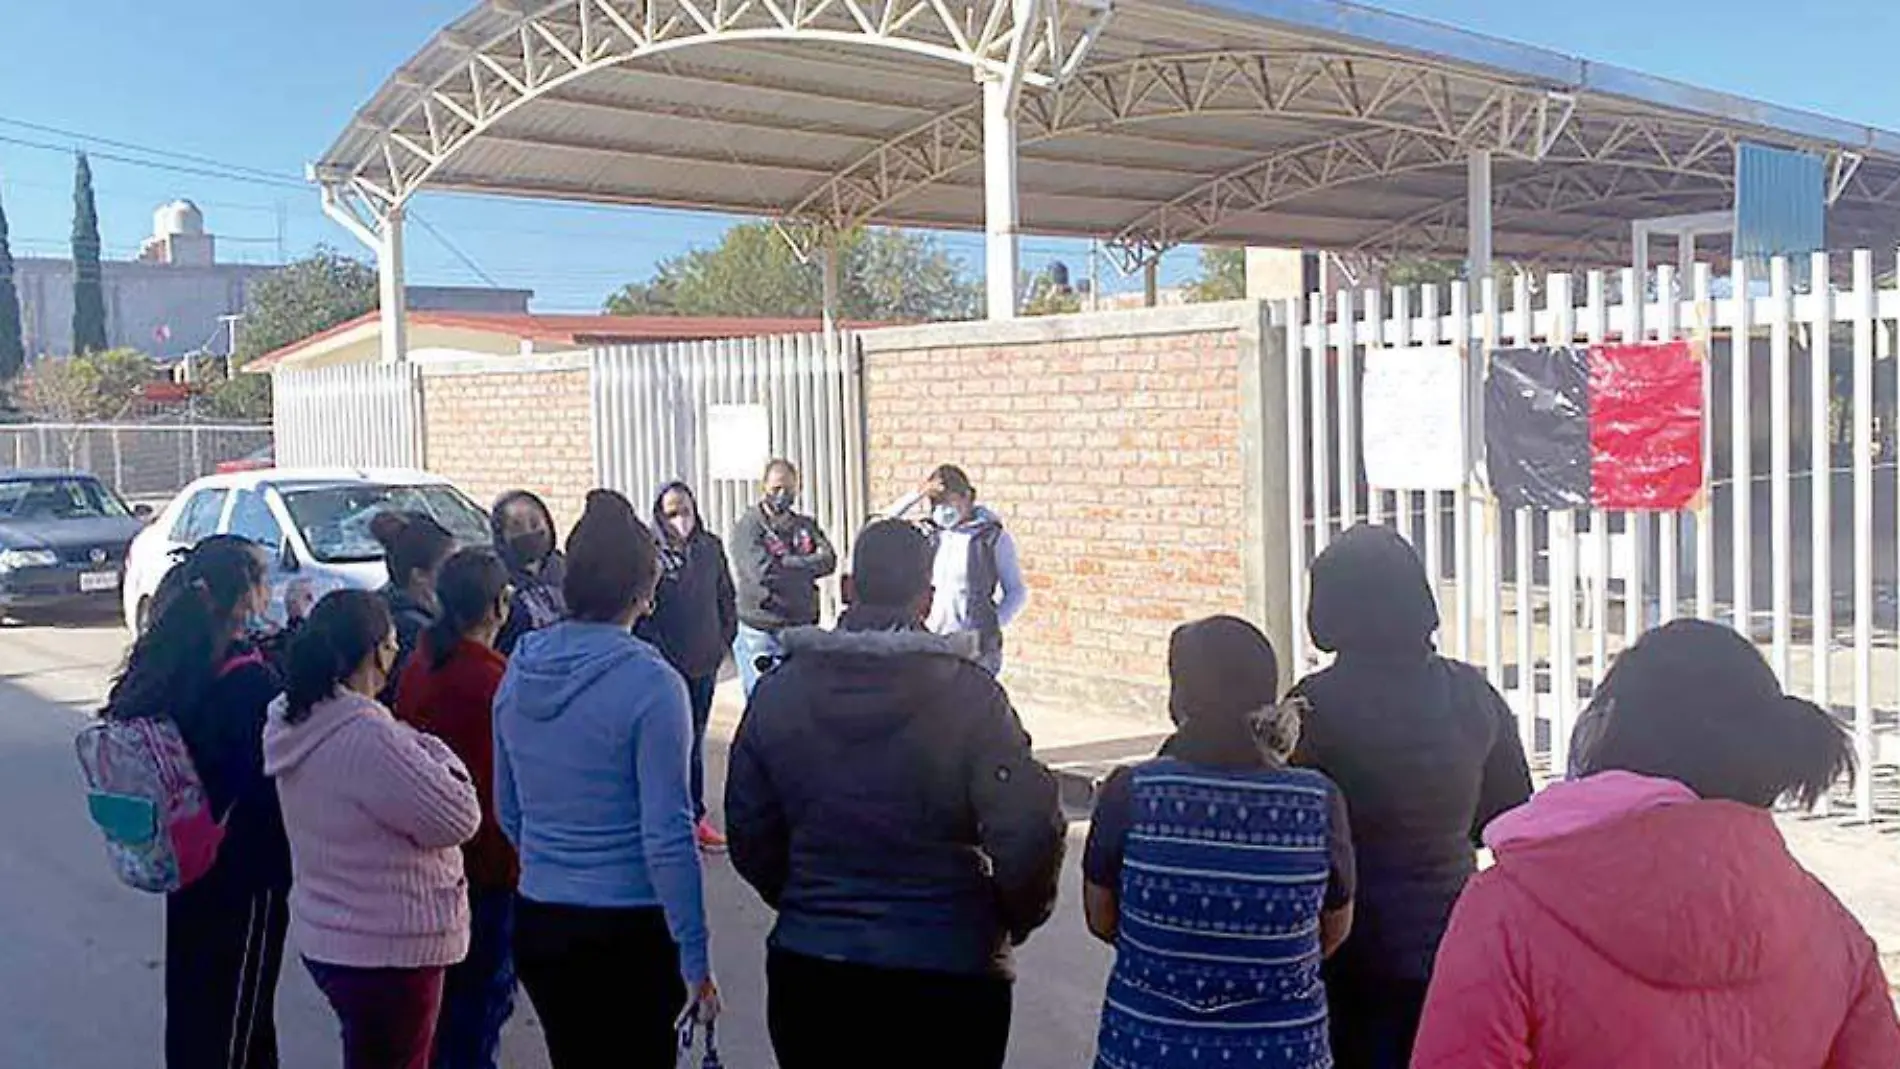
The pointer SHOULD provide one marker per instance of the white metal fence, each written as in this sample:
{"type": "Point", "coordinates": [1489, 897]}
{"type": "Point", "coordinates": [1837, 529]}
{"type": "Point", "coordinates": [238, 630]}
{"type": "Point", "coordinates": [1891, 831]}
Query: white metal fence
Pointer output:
{"type": "Point", "coordinates": [356, 415]}
{"type": "Point", "coordinates": [144, 461]}
{"type": "Point", "coordinates": [1796, 545]}
{"type": "Point", "coordinates": [651, 423]}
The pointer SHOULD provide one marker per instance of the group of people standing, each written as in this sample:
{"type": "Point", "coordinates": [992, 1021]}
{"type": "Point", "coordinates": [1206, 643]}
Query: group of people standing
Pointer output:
{"type": "Point", "coordinates": [489, 774]}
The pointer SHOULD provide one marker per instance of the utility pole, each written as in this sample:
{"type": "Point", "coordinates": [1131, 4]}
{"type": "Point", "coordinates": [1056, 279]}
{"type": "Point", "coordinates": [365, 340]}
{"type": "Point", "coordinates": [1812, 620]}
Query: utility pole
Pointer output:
{"type": "Point", "coordinates": [1095, 277]}
{"type": "Point", "coordinates": [230, 349]}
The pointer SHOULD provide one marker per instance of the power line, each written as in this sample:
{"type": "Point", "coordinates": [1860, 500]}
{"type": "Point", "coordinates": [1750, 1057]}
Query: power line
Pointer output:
{"type": "Point", "coordinates": [456, 251]}
{"type": "Point", "coordinates": [176, 168]}
{"type": "Point", "coordinates": [149, 151]}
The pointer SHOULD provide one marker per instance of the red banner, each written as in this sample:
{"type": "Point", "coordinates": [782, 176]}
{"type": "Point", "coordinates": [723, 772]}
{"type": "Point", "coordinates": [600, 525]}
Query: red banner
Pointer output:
{"type": "Point", "coordinates": [1645, 426]}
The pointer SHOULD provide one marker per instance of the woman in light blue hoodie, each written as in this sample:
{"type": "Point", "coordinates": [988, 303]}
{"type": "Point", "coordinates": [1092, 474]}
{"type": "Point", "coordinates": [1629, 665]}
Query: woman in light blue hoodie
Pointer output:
{"type": "Point", "coordinates": [977, 578]}
{"type": "Point", "coordinates": [592, 785]}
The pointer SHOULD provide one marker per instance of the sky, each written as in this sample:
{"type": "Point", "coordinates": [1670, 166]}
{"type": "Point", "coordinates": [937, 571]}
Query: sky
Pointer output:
{"type": "Point", "coordinates": [267, 84]}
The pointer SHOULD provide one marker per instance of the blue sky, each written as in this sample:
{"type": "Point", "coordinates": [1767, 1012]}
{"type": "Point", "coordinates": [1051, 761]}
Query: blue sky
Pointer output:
{"type": "Point", "coordinates": [267, 84]}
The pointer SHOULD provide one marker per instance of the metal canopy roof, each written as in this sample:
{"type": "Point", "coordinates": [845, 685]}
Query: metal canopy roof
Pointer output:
{"type": "Point", "coordinates": [1306, 123]}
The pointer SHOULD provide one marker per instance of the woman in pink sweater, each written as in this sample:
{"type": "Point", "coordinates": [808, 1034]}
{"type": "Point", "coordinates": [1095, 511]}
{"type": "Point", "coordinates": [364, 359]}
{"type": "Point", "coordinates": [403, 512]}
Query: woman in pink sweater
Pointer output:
{"type": "Point", "coordinates": [1648, 915]}
{"type": "Point", "coordinates": [375, 812]}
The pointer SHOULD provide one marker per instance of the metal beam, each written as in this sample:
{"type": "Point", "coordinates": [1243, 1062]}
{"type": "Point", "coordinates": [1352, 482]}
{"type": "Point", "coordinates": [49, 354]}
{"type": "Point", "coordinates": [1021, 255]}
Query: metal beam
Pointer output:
{"type": "Point", "coordinates": [1000, 245]}
{"type": "Point", "coordinates": [393, 289]}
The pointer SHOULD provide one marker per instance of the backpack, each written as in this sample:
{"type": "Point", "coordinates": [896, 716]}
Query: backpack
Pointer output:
{"type": "Point", "coordinates": [145, 796]}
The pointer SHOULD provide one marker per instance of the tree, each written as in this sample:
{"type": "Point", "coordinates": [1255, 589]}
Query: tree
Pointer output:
{"type": "Point", "coordinates": [883, 275]}
{"type": "Point", "coordinates": [1050, 293]}
{"type": "Point", "coordinates": [89, 295]}
{"type": "Point", "coordinates": [12, 345]}
{"type": "Point", "coordinates": [302, 299]}
{"type": "Point", "coordinates": [1421, 271]}
{"type": "Point", "coordinates": [1223, 275]}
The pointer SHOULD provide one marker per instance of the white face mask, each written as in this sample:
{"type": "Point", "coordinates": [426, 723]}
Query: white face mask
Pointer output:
{"type": "Point", "coordinates": [683, 526]}
{"type": "Point", "coordinates": [946, 516]}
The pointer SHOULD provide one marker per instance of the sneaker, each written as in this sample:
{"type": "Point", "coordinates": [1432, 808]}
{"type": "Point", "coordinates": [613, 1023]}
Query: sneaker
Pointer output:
{"type": "Point", "coordinates": [709, 838]}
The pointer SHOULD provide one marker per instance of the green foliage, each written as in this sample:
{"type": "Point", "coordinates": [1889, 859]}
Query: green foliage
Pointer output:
{"type": "Point", "coordinates": [89, 295]}
{"type": "Point", "coordinates": [12, 346]}
{"type": "Point", "coordinates": [244, 399]}
{"type": "Point", "coordinates": [1421, 271]}
{"type": "Point", "coordinates": [1048, 298]}
{"type": "Point", "coordinates": [301, 299]}
{"type": "Point", "coordinates": [91, 387]}
{"type": "Point", "coordinates": [883, 275]}
{"type": "Point", "coordinates": [1223, 275]}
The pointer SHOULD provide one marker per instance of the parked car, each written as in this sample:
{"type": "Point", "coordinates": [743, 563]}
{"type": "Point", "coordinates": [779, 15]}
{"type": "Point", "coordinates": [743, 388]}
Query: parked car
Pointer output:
{"type": "Point", "coordinates": [63, 541]}
{"type": "Point", "coordinates": [255, 461]}
{"type": "Point", "coordinates": [313, 523]}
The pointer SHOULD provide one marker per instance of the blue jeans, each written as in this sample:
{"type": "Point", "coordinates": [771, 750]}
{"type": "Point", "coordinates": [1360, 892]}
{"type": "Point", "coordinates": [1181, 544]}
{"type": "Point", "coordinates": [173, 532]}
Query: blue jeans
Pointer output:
{"type": "Point", "coordinates": [480, 994]}
{"type": "Point", "coordinates": [700, 692]}
{"type": "Point", "coordinates": [748, 648]}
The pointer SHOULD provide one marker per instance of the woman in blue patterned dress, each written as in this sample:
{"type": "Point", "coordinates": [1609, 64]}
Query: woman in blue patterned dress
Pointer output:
{"type": "Point", "coordinates": [1221, 876]}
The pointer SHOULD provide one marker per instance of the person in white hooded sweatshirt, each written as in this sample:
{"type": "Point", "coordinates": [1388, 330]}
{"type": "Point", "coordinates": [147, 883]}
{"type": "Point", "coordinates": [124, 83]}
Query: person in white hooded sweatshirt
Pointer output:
{"type": "Point", "coordinates": [977, 577]}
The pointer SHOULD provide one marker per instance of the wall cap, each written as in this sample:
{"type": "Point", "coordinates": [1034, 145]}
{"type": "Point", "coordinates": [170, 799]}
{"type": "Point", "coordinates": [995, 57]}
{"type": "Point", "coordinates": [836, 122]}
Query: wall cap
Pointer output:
{"type": "Point", "coordinates": [1083, 326]}
{"type": "Point", "coordinates": [539, 363]}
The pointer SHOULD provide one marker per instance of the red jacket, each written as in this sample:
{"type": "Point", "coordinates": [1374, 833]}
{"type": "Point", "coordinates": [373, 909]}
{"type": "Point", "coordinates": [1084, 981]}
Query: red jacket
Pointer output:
{"type": "Point", "coordinates": [457, 705]}
{"type": "Point", "coordinates": [1629, 924]}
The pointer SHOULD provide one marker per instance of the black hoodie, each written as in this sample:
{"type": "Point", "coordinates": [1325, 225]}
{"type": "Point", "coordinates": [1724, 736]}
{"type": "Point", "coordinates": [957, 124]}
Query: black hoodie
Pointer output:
{"type": "Point", "coordinates": [695, 613]}
{"type": "Point", "coordinates": [1425, 751]}
{"type": "Point", "coordinates": [882, 796]}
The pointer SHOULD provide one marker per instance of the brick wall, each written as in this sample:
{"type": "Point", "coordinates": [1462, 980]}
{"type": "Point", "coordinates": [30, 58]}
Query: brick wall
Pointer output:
{"type": "Point", "coordinates": [1116, 463]}
{"type": "Point", "coordinates": [505, 430]}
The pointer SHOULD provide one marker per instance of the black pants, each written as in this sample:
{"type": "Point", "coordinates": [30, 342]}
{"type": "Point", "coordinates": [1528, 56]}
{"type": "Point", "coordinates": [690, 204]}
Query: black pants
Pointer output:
{"type": "Point", "coordinates": [1374, 1022]}
{"type": "Point", "coordinates": [605, 982]}
{"type": "Point", "coordinates": [835, 1015]}
{"type": "Point", "coordinates": [700, 692]}
{"type": "Point", "coordinates": [224, 947]}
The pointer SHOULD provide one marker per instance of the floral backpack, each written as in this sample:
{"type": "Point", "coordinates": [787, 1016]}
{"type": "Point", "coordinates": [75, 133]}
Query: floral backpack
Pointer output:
{"type": "Point", "coordinates": [145, 796]}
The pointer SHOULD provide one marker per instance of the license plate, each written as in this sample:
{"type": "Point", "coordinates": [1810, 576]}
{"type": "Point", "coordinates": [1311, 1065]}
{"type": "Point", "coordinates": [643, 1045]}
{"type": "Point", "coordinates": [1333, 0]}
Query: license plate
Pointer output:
{"type": "Point", "coordinates": [96, 582]}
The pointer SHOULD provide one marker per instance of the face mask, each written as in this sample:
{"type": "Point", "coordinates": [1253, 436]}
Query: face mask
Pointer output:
{"type": "Point", "coordinates": [946, 516]}
{"type": "Point", "coordinates": [780, 500]}
{"type": "Point", "coordinates": [682, 526]}
{"type": "Point", "coordinates": [532, 546]}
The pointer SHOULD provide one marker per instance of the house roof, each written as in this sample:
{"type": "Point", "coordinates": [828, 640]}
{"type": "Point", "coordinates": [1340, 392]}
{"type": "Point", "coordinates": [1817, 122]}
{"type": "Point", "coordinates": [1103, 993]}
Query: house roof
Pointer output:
{"type": "Point", "coordinates": [577, 330]}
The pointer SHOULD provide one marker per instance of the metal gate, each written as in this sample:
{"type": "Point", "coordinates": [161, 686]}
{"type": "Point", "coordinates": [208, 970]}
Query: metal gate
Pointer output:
{"type": "Point", "coordinates": [651, 421]}
{"type": "Point", "coordinates": [356, 415]}
{"type": "Point", "coordinates": [1797, 543]}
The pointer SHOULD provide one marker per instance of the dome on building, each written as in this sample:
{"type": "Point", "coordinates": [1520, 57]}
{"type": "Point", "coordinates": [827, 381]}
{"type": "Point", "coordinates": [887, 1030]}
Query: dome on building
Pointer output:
{"type": "Point", "coordinates": [180, 217]}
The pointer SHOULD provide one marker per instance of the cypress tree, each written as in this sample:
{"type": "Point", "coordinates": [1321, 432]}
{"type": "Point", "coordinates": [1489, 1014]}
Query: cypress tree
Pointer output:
{"type": "Point", "coordinates": [89, 297]}
{"type": "Point", "coordinates": [12, 345]}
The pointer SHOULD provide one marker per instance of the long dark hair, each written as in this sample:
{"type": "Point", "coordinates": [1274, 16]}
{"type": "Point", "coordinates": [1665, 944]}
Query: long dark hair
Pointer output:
{"type": "Point", "coordinates": [470, 585]}
{"type": "Point", "coordinates": [412, 542]}
{"type": "Point", "coordinates": [1694, 702]}
{"type": "Point", "coordinates": [192, 617]}
{"type": "Point", "coordinates": [345, 627]}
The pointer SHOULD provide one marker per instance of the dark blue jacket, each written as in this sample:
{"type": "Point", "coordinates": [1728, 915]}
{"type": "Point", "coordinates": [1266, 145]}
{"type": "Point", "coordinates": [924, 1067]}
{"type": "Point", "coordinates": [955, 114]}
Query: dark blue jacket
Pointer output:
{"type": "Point", "coordinates": [695, 610]}
{"type": "Point", "coordinates": [883, 797]}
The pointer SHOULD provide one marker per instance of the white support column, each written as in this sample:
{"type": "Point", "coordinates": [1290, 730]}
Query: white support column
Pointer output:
{"type": "Point", "coordinates": [828, 275]}
{"type": "Point", "coordinates": [394, 289]}
{"type": "Point", "coordinates": [999, 199]}
{"type": "Point", "coordinates": [1478, 254]}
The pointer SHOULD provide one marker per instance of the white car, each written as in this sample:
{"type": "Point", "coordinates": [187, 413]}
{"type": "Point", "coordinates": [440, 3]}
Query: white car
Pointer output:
{"type": "Point", "coordinates": [314, 523]}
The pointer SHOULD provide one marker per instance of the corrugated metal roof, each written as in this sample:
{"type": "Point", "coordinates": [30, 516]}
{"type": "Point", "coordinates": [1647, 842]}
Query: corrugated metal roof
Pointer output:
{"type": "Point", "coordinates": [1152, 140]}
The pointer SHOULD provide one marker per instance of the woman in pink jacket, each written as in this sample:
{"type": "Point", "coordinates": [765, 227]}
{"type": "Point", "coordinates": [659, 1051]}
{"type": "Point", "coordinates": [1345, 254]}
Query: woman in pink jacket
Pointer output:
{"type": "Point", "coordinates": [375, 812]}
{"type": "Point", "coordinates": [1648, 915]}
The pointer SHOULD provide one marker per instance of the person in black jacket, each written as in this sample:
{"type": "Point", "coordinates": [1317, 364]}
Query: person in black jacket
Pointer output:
{"type": "Point", "coordinates": [779, 556]}
{"type": "Point", "coordinates": [524, 537]}
{"type": "Point", "coordinates": [414, 549]}
{"type": "Point", "coordinates": [224, 933]}
{"type": "Point", "coordinates": [695, 617]}
{"type": "Point", "coordinates": [883, 798]}
{"type": "Point", "coordinates": [1426, 753]}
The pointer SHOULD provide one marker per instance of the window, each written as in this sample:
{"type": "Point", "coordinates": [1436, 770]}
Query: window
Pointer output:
{"type": "Point", "coordinates": [335, 519]}
{"type": "Point", "coordinates": [199, 518]}
{"type": "Point", "coordinates": [251, 518]}
{"type": "Point", "coordinates": [63, 498]}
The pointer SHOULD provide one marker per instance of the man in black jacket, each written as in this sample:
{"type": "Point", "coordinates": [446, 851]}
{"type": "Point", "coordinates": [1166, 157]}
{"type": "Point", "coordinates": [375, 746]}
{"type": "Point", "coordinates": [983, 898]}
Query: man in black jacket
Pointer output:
{"type": "Point", "coordinates": [883, 798]}
{"type": "Point", "coordinates": [778, 557]}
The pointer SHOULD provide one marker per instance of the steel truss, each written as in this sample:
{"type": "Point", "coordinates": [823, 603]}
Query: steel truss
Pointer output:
{"type": "Point", "coordinates": [1412, 116]}
{"type": "Point", "coordinates": [1021, 42]}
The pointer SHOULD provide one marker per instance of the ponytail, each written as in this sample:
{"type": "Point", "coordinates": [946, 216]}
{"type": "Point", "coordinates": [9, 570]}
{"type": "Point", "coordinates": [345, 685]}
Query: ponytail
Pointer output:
{"type": "Point", "coordinates": [344, 628]}
{"type": "Point", "coordinates": [192, 614]}
{"type": "Point", "coordinates": [1805, 751]}
{"type": "Point", "coordinates": [471, 583]}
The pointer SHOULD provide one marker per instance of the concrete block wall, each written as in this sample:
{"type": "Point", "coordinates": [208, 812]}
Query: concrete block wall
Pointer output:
{"type": "Point", "coordinates": [1112, 447]}
{"type": "Point", "coordinates": [519, 423]}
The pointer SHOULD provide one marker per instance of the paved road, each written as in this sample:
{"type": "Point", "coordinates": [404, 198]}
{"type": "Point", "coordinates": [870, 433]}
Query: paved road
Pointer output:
{"type": "Point", "coordinates": [81, 958]}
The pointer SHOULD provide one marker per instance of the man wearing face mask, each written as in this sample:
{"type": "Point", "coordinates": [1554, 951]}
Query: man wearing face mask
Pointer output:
{"type": "Point", "coordinates": [524, 538]}
{"type": "Point", "coordinates": [979, 582]}
{"type": "Point", "coordinates": [779, 557]}
{"type": "Point", "coordinates": [695, 617]}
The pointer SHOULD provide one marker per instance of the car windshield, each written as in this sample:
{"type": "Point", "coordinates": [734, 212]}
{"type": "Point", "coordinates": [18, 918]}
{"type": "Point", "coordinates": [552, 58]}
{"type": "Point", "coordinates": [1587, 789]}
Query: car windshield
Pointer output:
{"type": "Point", "coordinates": [41, 499]}
{"type": "Point", "coordinates": [334, 520]}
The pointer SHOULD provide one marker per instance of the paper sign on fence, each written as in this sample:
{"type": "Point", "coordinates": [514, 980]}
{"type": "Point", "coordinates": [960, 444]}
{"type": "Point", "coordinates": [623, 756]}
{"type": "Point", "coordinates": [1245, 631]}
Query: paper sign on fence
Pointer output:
{"type": "Point", "coordinates": [738, 441]}
{"type": "Point", "coordinates": [1412, 435]}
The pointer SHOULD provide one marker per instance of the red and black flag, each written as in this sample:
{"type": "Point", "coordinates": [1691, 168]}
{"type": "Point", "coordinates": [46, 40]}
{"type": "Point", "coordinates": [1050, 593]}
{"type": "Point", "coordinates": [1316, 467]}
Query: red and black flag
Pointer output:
{"type": "Point", "coordinates": [1595, 427]}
